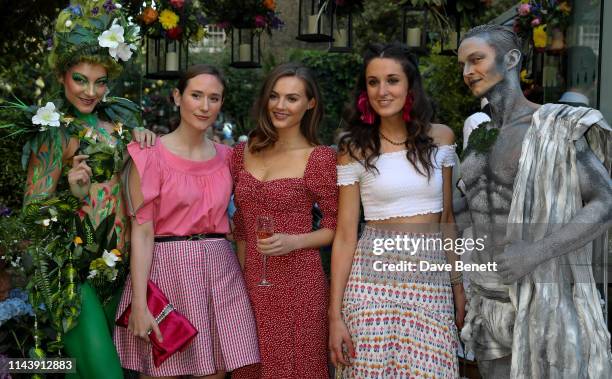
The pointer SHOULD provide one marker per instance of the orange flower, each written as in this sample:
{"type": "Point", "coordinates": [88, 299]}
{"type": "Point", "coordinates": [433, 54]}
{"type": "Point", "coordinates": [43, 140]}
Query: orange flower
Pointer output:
{"type": "Point", "coordinates": [565, 8]}
{"type": "Point", "coordinates": [149, 15]}
{"type": "Point", "coordinates": [78, 240]}
{"type": "Point", "coordinates": [116, 252]}
{"type": "Point", "coordinates": [270, 4]}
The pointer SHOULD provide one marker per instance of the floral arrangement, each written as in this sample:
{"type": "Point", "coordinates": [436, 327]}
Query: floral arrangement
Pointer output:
{"type": "Point", "coordinates": [94, 29]}
{"type": "Point", "coordinates": [173, 19]}
{"type": "Point", "coordinates": [260, 15]}
{"type": "Point", "coordinates": [534, 17]}
{"type": "Point", "coordinates": [66, 248]}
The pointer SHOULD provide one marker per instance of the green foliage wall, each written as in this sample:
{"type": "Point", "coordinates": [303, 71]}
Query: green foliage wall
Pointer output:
{"type": "Point", "coordinates": [444, 85]}
{"type": "Point", "coordinates": [336, 75]}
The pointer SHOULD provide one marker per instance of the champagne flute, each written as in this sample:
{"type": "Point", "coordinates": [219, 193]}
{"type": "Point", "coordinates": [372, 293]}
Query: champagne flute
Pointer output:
{"type": "Point", "coordinates": [265, 229]}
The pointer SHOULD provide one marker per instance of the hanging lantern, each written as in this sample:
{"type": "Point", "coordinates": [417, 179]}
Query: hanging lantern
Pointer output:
{"type": "Point", "coordinates": [451, 36]}
{"type": "Point", "coordinates": [342, 33]}
{"type": "Point", "coordinates": [246, 48]}
{"type": "Point", "coordinates": [165, 58]}
{"type": "Point", "coordinates": [315, 19]}
{"type": "Point", "coordinates": [415, 27]}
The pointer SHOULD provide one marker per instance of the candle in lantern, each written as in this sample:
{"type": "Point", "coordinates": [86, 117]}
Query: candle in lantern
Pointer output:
{"type": "Point", "coordinates": [172, 61]}
{"type": "Point", "coordinates": [414, 37]}
{"type": "Point", "coordinates": [312, 24]}
{"type": "Point", "coordinates": [244, 52]}
{"type": "Point", "coordinates": [340, 38]}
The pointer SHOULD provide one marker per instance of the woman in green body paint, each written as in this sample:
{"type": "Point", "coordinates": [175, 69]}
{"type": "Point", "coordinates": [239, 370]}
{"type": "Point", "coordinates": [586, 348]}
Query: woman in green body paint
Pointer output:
{"type": "Point", "coordinates": [83, 157]}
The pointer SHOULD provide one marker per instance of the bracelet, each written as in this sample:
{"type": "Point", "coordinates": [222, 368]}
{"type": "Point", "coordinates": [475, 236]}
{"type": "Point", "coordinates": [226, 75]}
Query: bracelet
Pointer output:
{"type": "Point", "coordinates": [457, 280]}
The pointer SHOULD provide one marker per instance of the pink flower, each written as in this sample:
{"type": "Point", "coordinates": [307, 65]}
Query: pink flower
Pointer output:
{"type": "Point", "coordinates": [536, 22]}
{"type": "Point", "coordinates": [177, 4]}
{"type": "Point", "coordinates": [260, 21]}
{"type": "Point", "coordinates": [524, 9]}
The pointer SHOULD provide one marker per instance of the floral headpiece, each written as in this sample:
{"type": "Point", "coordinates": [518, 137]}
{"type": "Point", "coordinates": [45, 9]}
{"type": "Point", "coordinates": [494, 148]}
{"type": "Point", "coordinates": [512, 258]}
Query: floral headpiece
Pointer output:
{"type": "Point", "coordinates": [96, 31]}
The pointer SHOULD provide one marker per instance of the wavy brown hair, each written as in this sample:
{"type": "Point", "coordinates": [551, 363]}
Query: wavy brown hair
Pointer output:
{"type": "Point", "coordinates": [362, 141]}
{"type": "Point", "coordinates": [265, 134]}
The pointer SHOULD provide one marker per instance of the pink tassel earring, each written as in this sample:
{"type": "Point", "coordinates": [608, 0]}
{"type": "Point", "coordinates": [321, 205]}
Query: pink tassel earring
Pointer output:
{"type": "Point", "coordinates": [367, 113]}
{"type": "Point", "coordinates": [407, 108]}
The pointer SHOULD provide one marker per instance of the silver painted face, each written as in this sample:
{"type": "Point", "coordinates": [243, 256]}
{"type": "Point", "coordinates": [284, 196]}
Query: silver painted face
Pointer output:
{"type": "Point", "coordinates": [481, 69]}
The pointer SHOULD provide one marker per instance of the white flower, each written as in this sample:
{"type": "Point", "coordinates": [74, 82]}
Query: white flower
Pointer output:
{"type": "Point", "coordinates": [40, 83]}
{"type": "Point", "coordinates": [118, 6]}
{"type": "Point", "coordinates": [92, 274]}
{"type": "Point", "coordinates": [112, 37]}
{"type": "Point", "coordinates": [109, 258]}
{"type": "Point", "coordinates": [46, 222]}
{"type": "Point", "coordinates": [46, 116]}
{"type": "Point", "coordinates": [54, 219]}
{"type": "Point", "coordinates": [68, 23]}
{"type": "Point", "coordinates": [123, 51]}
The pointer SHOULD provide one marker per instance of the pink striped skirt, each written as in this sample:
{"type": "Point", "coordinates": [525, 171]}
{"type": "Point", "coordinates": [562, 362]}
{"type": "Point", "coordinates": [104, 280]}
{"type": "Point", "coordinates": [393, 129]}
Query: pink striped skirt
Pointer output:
{"type": "Point", "coordinates": [202, 279]}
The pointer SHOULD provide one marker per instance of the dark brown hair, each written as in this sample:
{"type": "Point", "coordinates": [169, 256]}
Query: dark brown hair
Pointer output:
{"type": "Point", "coordinates": [362, 141]}
{"type": "Point", "coordinates": [199, 69]}
{"type": "Point", "coordinates": [265, 134]}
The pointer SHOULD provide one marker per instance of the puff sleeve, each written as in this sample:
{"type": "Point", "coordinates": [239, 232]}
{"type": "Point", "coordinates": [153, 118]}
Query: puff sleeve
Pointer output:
{"type": "Point", "coordinates": [147, 165]}
{"type": "Point", "coordinates": [321, 177]}
{"type": "Point", "coordinates": [349, 173]}
{"type": "Point", "coordinates": [235, 168]}
{"type": "Point", "coordinates": [446, 155]}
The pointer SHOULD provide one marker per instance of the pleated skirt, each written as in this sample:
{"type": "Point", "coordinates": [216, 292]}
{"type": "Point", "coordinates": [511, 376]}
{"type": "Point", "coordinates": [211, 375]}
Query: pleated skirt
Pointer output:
{"type": "Point", "coordinates": [203, 280]}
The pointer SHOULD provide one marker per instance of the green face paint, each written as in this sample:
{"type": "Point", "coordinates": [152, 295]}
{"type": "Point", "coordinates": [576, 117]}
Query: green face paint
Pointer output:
{"type": "Point", "coordinates": [79, 78]}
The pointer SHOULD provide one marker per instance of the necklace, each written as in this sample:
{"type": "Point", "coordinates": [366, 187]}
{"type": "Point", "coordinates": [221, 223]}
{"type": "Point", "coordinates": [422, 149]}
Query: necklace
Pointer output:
{"type": "Point", "coordinates": [392, 142]}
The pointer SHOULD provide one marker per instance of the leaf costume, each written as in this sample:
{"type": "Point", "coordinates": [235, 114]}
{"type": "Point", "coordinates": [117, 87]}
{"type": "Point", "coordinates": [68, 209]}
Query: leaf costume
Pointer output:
{"type": "Point", "coordinates": [78, 249]}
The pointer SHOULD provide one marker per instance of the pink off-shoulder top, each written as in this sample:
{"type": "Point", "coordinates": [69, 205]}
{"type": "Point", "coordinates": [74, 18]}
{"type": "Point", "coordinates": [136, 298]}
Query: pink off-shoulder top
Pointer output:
{"type": "Point", "coordinates": [182, 196]}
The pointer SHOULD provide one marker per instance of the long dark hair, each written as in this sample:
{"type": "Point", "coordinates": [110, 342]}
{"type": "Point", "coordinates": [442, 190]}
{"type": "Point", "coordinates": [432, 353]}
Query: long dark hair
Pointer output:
{"type": "Point", "coordinates": [362, 141]}
{"type": "Point", "coordinates": [264, 133]}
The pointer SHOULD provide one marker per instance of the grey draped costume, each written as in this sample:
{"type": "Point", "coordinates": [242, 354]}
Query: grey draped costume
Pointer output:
{"type": "Point", "coordinates": [559, 329]}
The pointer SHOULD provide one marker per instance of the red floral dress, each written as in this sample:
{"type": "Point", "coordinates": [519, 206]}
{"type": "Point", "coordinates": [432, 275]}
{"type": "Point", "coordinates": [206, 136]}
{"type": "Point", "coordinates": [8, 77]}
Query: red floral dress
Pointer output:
{"type": "Point", "coordinates": [291, 314]}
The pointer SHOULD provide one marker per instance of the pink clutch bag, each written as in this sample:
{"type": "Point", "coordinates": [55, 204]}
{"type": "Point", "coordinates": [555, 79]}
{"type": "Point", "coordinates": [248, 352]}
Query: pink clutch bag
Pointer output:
{"type": "Point", "coordinates": [177, 331]}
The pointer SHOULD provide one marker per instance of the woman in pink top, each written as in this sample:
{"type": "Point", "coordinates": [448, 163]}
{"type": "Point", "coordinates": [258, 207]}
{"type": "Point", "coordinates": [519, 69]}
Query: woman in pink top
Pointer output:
{"type": "Point", "coordinates": [180, 189]}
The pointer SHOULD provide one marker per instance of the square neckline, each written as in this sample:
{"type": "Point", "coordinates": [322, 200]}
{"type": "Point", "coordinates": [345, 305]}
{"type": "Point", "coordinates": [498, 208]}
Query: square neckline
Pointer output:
{"type": "Point", "coordinates": [243, 147]}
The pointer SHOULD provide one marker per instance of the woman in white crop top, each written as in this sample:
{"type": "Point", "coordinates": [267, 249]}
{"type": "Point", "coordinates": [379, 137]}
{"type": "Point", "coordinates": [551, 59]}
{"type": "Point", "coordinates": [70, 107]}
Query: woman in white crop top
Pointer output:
{"type": "Point", "coordinates": [389, 316]}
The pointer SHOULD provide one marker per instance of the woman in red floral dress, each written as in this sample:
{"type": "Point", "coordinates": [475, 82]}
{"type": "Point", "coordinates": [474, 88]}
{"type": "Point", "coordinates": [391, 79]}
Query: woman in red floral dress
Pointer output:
{"type": "Point", "coordinates": [282, 173]}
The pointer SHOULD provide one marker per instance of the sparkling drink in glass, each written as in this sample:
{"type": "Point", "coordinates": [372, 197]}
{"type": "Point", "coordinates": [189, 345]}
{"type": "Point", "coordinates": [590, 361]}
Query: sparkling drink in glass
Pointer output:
{"type": "Point", "coordinates": [265, 229]}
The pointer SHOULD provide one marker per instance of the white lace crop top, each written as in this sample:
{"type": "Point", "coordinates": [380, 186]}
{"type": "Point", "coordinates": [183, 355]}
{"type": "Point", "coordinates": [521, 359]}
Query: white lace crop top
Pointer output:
{"type": "Point", "coordinates": [398, 190]}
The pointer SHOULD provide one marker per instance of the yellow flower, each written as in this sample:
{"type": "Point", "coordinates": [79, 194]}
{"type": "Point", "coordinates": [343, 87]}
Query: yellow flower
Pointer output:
{"type": "Point", "coordinates": [524, 77]}
{"type": "Point", "coordinates": [168, 19]}
{"type": "Point", "coordinates": [78, 240]}
{"type": "Point", "coordinates": [539, 37]}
